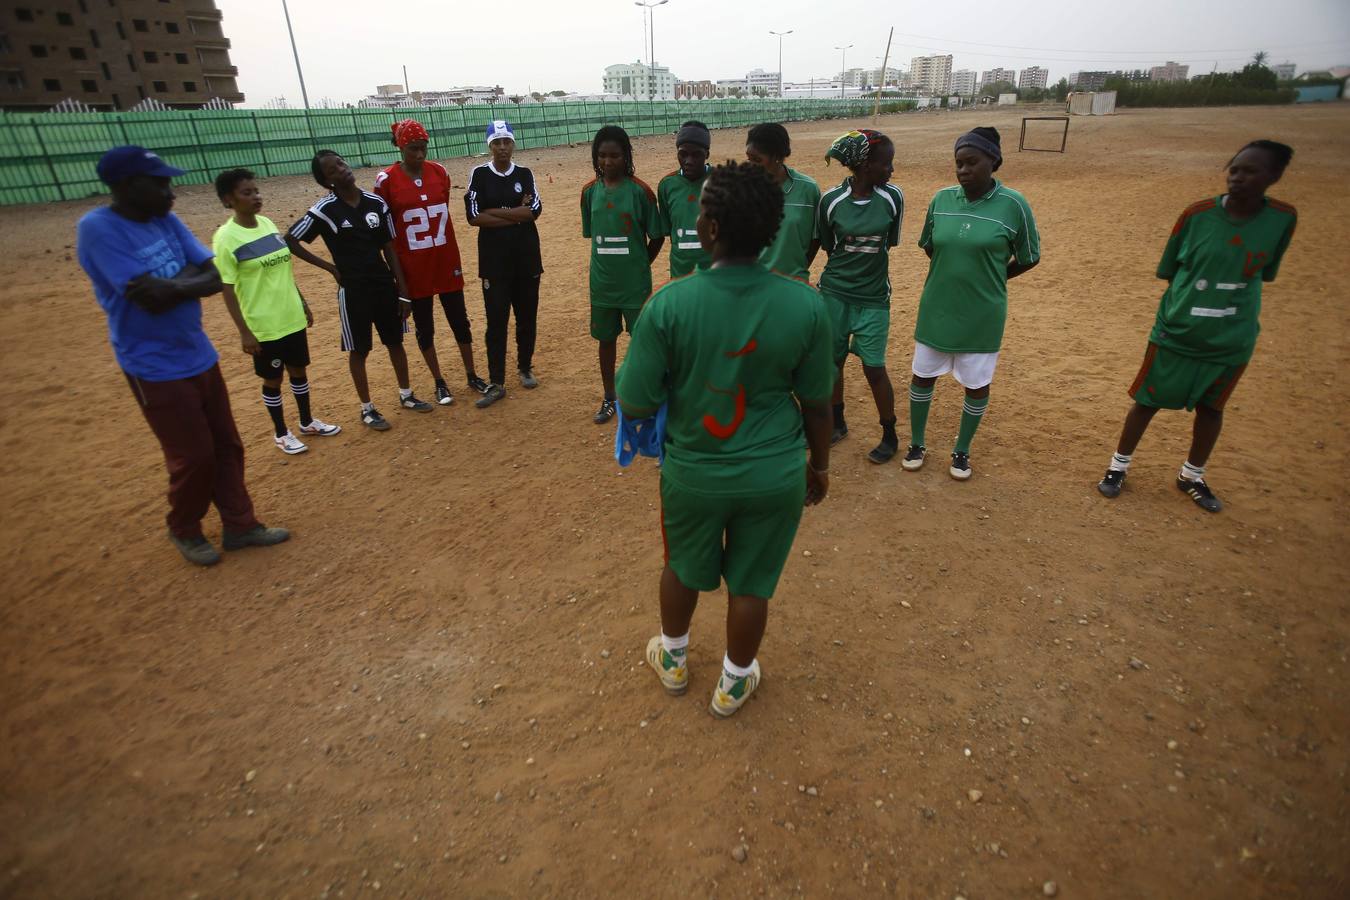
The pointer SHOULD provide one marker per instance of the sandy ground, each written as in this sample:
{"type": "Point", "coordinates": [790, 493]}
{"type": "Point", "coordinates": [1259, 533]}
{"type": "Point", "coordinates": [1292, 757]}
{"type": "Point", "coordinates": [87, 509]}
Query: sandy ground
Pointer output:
{"type": "Point", "coordinates": [436, 687]}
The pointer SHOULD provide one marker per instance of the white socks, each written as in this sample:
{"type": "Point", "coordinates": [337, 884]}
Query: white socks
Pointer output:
{"type": "Point", "coordinates": [738, 671]}
{"type": "Point", "coordinates": [1191, 473]}
{"type": "Point", "coordinates": [675, 646]}
{"type": "Point", "coordinates": [404, 393]}
{"type": "Point", "coordinates": [1121, 463]}
{"type": "Point", "coordinates": [367, 407]}
{"type": "Point", "coordinates": [678, 648]}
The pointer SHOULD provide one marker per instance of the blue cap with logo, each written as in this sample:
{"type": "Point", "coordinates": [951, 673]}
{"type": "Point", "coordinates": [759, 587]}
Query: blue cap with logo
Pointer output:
{"type": "Point", "coordinates": [499, 128]}
{"type": "Point", "coordinates": [121, 163]}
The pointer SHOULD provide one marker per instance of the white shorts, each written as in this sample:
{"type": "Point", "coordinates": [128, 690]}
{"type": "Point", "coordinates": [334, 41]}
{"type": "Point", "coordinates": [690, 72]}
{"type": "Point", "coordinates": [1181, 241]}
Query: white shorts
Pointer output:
{"type": "Point", "coordinates": [972, 370]}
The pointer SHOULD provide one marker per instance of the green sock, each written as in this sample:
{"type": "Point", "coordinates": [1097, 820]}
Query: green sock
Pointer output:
{"type": "Point", "coordinates": [971, 413]}
{"type": "Point", "coordinates": [920, 400]}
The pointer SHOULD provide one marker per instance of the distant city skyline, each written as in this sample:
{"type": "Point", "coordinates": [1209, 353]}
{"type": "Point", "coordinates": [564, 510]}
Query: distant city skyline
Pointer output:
{"type": "Point", "coordinates": [347, 51]}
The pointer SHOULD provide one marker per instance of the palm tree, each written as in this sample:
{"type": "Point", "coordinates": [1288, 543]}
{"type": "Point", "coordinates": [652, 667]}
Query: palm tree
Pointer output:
{"type": "Point", "coordinates": [1260, 57]}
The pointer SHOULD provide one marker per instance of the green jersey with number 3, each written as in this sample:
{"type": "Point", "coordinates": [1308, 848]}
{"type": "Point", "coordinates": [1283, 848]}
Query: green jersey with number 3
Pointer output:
{"type": "Point", "coordinates": [1215, 266]}
{"type": "Point", "coordinates": [619, 220]}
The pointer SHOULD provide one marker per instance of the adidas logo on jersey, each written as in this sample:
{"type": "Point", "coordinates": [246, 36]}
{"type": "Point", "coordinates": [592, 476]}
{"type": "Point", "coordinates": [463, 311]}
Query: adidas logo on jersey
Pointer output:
{"type": "Point", "coordinates": [346, 224]}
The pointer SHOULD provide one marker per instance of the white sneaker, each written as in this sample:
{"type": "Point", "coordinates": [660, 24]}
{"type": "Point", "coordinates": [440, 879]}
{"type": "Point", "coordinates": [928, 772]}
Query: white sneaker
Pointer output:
{"type": "Point", "coordinates": [323, 429]}
{"type": "Point", "coordinates": [674, 673]}
{"type": "Point", "coordinates": [732, 692]}
{"type": "Point", "coordinates": [289, 443]}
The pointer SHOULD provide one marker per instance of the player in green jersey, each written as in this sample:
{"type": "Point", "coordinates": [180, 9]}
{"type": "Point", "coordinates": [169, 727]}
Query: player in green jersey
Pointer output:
{"type": "Point", "coordinates": [619, 215]}
{"type": "Point", "coordinates": [859, 223]}
{"type": "Point", "coordinates": [977, 234]}
{"type": "Point", "coordinates": [794, 247]}
{"type": "Point", "coordinates": [677, 197]}
{"type": "Point", "coordinates": [742, 358]}
{"type": "Point", "coordinates": [267, 308]}
{"type": "Point", "coordinates": [1220, 252]}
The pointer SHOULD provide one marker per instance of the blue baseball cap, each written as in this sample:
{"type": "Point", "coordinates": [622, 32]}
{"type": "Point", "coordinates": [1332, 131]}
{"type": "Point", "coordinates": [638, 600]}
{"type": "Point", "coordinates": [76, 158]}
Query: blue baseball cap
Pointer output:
{"type": "Point", "coordinates": [499, 128]}
{"type": "Point", "coordinates": [121, 163]}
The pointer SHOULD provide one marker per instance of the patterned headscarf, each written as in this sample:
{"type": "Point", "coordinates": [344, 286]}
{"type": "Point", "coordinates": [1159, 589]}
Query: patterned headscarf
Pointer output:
{"type": "Point", "coordinates": [851, 149]}
{"type": "Point", "coordinates": [407, 131]}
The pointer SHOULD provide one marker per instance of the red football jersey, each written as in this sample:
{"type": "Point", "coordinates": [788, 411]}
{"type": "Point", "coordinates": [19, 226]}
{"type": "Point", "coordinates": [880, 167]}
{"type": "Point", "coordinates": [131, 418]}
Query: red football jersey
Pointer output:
{"type": "Point", "coordinates": [426, 244]}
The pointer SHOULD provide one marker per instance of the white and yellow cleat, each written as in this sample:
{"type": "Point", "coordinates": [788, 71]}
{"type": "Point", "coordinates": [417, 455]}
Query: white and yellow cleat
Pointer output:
{"type": "Point", "coordinates": [732, 692]}
{"type": "Point", "coordinates": [674, 674]}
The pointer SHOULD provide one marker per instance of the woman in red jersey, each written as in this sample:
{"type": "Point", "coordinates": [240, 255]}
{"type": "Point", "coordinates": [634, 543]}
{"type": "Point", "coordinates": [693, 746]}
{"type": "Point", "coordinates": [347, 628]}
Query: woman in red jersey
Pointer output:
{"type": "Point", "coordinates": [417, 192]}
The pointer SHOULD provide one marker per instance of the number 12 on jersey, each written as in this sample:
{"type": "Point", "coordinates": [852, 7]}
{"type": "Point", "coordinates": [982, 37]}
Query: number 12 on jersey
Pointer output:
{"type": "Point", "coordinates": [420, 222]}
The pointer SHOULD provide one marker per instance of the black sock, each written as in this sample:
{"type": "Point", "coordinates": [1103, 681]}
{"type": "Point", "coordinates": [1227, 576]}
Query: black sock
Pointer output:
{"type": "Point", "coordinates": [301, 391]}
{"type": "Point", "coordinates": [888, 433]}
{"type": "Point", "coordinates": [272, 400]}
{"type": "Point", "coordinates": [838, 410]}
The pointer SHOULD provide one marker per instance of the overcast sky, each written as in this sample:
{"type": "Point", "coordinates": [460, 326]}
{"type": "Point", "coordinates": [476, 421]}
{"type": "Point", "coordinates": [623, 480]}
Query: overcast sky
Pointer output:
{"type": "Point", "coordinates": [349, 46]}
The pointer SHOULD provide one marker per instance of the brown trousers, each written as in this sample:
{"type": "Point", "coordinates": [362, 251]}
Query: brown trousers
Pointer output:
{"type": "Point", "coordinates": [202, 450]}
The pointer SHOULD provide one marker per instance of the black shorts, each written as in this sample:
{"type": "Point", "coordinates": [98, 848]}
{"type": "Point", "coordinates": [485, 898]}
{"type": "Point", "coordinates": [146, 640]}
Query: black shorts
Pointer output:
{"type": "Point", "coordinates": [363, 305]}
{"type": "Point", "coordinates": [273, 356]}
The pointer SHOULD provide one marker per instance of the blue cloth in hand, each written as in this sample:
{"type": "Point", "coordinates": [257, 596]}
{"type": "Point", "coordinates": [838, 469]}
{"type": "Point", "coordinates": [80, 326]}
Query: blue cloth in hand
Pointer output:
{"type": "Point", "coordinates": [640, 437]}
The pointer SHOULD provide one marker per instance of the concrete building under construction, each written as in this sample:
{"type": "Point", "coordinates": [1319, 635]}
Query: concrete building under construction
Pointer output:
{"type": "Point", "coordinates": [113, 56]}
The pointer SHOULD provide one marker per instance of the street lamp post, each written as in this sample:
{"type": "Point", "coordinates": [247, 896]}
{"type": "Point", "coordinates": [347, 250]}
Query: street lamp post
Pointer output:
{"type": "Point", "coordinates": [780, 35]}
{"type": "Point", "coordinates": [843, 55]}
{"type": "Point", "coordinates": [650, 6]}
{"type": "Point", "coordinates": [296, 53]}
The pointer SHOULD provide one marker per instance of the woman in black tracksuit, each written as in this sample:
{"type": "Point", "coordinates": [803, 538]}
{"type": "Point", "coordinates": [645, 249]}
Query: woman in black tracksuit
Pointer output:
{"type": "Point", "coordinates": [502, 203]}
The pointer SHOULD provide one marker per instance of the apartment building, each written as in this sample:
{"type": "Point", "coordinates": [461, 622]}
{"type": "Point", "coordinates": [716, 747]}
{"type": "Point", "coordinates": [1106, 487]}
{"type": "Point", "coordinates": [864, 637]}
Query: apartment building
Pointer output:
{"type": "Point", "coordinates": [112, 56]}
{"type": "Point", "coordinates": [1033, 77]}
{"type": "Point", "coordinates": [932, 74]}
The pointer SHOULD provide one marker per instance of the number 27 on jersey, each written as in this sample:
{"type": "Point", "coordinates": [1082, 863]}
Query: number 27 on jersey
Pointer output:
{"type": "Point", "coordinates": [422, 222]}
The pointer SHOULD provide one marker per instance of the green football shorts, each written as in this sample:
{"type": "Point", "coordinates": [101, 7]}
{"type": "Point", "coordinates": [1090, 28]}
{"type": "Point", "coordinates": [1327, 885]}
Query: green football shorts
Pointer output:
{"type": "Point", "coordinates": [607, 323]}
{"type": "Point", "coordinates": [860, 330]}
{"type": "Point", "coordinates": [745, 540]}
{"type": "Point", "coordinates": [1169, 380]}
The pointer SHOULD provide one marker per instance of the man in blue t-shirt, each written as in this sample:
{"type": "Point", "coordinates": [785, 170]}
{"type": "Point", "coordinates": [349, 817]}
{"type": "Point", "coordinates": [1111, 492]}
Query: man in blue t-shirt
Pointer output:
{"type": "Point", "coordinates": [149, 273]}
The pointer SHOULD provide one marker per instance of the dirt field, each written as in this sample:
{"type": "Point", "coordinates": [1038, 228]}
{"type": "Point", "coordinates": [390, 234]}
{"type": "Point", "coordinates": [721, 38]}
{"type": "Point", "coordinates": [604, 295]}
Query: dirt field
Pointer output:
{"type": "Point", "coordinates": [436, 688]}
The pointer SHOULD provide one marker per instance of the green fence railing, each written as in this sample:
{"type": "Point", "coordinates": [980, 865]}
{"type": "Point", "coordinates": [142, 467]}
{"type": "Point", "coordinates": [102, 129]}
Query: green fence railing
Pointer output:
{"type": "Point", "coordinates": [51, 156]}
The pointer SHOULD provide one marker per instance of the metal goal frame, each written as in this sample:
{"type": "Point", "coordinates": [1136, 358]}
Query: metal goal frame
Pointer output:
{"type": "Point", "coordinates": [1063, 141]}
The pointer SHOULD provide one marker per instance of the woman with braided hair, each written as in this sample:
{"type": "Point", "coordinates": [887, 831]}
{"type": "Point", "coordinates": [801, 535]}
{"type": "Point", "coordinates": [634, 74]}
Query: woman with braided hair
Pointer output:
{"type": "Point", "coordinates": [619, 215]}
{"type": "Point", "coordinates": [978, 234]}
{"type": "Point", "coordinates": [740, 356]}
{"type": "Point", "coordinates": [859, 223]}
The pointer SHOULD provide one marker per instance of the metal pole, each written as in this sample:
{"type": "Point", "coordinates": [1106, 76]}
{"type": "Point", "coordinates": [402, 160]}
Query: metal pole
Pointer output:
{"type": "Point", "coordinates": [296, 53]}
{"type": "Point", "coordinates": [262, 151]}
{"type": "Point", "coordinates": [780, 34]}
{"type": "Point", "coordinates": [650, 6]}
{"type": "Point", "coordinates": [197, 139]}
{"type": "Point", "coordinates": [356, 132]}
{"type": "Point", "coordinates": [876, 109]}
{"type": "Point", "coordinates": [843, 57]}
{"type": "Point", "coordinates": [407, 88]}
{"type": "Point", "coordinates": [47, 158]}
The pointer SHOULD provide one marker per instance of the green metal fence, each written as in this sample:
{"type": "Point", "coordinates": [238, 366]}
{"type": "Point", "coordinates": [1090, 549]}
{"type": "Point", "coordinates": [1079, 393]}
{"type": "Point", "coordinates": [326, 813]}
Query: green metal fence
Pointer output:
{"type": "Point", "coordinates": [51, 156]}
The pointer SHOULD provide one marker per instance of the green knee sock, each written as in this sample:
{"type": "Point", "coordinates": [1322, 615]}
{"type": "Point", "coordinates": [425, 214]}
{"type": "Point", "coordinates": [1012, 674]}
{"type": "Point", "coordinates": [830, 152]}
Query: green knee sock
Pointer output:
{"type": "Point", "coordinates": [971, 413]}
{"type": "Point", "coordinates": [920, 400]}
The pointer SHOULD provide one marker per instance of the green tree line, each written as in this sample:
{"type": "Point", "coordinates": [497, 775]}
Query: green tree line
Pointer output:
{"type": "Point", "coordinates": [1254, 85]}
